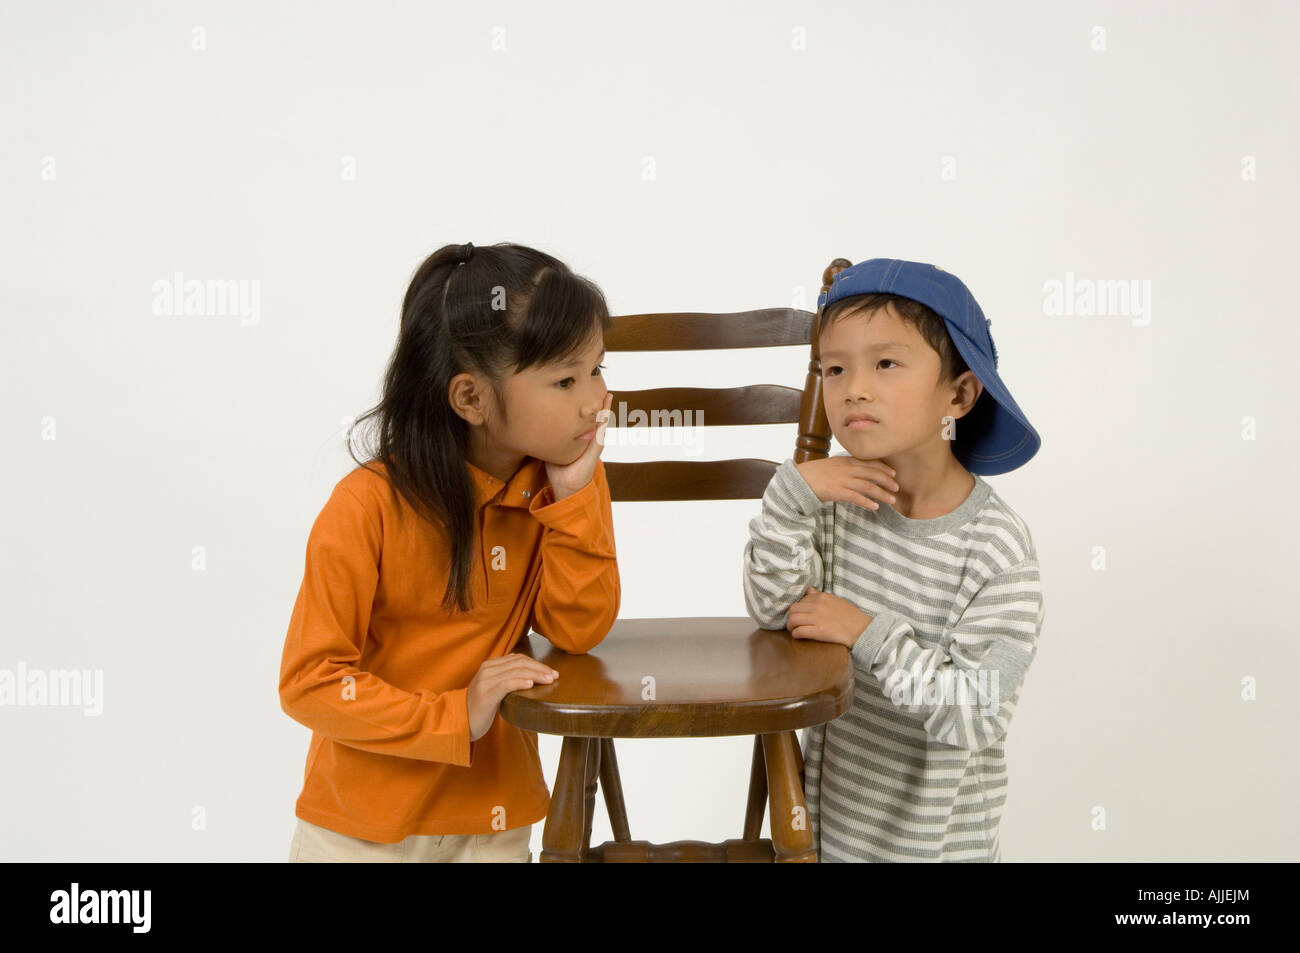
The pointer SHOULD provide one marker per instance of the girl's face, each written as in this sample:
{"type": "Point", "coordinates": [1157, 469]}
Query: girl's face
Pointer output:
{"type": "Point", "coordinates": [551, 409]}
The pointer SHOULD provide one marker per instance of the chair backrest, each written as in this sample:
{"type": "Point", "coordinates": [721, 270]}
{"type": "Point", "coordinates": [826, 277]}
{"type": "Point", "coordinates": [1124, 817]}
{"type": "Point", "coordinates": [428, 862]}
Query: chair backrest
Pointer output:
{"type": "Point", "coordinates": [734, 479]}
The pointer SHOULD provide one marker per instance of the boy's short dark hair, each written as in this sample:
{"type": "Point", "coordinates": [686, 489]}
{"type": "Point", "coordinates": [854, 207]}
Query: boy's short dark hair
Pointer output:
{"type": "Point", "coordinates": [930, 325]}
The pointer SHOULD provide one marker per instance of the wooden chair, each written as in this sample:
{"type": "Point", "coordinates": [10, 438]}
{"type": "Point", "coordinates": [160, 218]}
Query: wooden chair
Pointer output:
{"type": "Point", "coordinates": [726, 676]}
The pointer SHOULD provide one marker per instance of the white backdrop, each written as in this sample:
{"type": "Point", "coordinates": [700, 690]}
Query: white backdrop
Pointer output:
{"type": "Point", "coordinates": [163, 470]}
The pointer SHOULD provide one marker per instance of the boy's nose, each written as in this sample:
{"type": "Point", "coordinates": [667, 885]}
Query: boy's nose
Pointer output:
{"type": "Point", "coordinates": [857, 390]}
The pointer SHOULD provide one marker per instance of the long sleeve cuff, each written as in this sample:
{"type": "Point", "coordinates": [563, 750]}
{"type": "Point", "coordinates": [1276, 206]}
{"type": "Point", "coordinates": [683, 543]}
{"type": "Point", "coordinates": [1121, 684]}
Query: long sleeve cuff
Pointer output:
{"type": "Point", "coordinates": [872, 638]}
{"type": "Point", "coordinates": [806, 501]}
{"type": "Point", "coordinates": [579, 514]}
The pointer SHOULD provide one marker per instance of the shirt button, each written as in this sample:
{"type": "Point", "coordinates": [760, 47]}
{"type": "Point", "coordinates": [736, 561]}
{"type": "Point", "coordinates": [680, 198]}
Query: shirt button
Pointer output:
{"type": "Point", "coordinates": [527, 494]}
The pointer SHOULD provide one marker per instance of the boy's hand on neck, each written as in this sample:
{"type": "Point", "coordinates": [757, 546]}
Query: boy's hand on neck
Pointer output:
{"type": "Point", "coordinates": [570, 478]}
{"type": "Point", "coordinates": [849, 480]}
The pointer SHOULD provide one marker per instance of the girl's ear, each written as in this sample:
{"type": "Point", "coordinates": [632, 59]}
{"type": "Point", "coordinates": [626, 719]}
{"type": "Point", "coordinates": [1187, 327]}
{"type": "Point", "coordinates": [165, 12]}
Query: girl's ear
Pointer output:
{"type": "Point", "coordinates": [467, 395]}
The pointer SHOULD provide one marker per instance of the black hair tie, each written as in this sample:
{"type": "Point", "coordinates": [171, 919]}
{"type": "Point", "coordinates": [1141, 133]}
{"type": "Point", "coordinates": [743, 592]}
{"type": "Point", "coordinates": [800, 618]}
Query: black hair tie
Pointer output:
{"type": "Point", "coordinates": [464, 252]}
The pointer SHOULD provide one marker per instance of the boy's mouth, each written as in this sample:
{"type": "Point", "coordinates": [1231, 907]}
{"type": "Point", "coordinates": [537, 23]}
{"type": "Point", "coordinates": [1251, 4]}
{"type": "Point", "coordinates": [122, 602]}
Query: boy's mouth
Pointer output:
{"type": "Point", "coordinates": [860, 421]}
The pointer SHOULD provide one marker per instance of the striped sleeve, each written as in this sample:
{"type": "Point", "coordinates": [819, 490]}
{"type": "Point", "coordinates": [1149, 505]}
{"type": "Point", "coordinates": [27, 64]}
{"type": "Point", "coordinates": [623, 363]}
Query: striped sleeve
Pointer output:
{"type": "Point", "coordinates": [967, 685]}
{"type": "Point", "coordinates": [783, 555]}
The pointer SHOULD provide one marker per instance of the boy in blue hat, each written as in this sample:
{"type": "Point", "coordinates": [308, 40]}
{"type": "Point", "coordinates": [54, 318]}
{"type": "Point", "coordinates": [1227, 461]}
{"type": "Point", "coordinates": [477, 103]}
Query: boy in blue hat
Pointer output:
{"type": "Point", "coordinates": [900, 551]}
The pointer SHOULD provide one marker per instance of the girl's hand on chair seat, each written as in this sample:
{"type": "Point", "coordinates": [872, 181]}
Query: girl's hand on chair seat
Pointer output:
{"type": "Point", "coordinates": [495, 679]}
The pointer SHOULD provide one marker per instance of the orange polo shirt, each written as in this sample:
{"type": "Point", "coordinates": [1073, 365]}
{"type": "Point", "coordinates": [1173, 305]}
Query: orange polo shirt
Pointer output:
{"type": "Point", "coordinates": [379, 671]}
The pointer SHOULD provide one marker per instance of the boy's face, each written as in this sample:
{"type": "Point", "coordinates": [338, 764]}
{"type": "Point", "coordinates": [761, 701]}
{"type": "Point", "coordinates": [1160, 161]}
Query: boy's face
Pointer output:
{"type": "Point", "coordinates": [879, 366]}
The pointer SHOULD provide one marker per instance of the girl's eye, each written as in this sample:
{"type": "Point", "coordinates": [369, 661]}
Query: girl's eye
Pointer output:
{"type": "Point", "coordinates": [830, 371]}
{"type": "Point", "coordinates": [885, 360]}
{"type": "Point", "coordinates": [564, 384]}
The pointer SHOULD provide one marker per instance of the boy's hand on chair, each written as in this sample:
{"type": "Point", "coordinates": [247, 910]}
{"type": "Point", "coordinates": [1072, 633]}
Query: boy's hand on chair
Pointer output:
{"type": "Point", "coordinates": [569, 479]}
{"type": "Point", "coordinates": [496, 678]}
{"type": "Point", "coordinates": [849, 480]}
{"type": "Point", "coordinates": [827, 618]}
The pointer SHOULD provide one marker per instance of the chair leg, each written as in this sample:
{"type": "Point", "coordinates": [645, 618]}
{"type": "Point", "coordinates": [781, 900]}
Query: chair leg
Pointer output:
{"type": "Point", "coordinates": [757, 793]}
{"type": "Point", "coordinates": [791, 833]}
{"type": "Point", "coordinates": [613, 786]}
{"type": "Point", "coordinates": [798, 760]}
{"type": "Point", "coordinates": [562, 836]}
{"type": "Point", "coordinates": [591, 777]}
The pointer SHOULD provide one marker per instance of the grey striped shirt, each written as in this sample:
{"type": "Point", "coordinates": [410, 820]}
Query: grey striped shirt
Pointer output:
{"type": "Point", "coordinates": [916, 770]}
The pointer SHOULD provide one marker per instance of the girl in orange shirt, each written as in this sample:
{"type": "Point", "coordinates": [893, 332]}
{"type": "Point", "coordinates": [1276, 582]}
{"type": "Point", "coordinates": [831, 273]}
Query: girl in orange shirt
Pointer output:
{"type": "Point", "coordinates": [483, 512]}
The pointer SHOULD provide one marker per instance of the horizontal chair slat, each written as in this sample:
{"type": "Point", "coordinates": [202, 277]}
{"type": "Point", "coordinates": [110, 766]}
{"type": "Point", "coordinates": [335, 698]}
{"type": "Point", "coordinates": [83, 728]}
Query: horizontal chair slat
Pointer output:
{"type": "Point", "coordinates": [706, 406]}
{"type": "Point", "coordinates": [666, 480]}
{"type": "Point", "coordinates": [701, 331]}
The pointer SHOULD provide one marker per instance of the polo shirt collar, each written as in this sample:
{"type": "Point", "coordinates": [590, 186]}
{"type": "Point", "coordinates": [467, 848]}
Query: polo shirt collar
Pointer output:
{"type": "Point", "coordinates": [529, 479]}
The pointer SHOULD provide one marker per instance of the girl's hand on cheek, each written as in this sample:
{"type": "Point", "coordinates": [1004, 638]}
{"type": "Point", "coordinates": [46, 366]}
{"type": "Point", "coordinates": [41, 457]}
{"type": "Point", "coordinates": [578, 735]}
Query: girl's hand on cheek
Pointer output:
{"type": "Point", "coordinates": [567, 480]}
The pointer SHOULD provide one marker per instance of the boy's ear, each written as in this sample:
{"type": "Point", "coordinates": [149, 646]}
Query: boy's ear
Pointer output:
{"type": "Point", "coordinates": [966, 390]}
{"type": "Point", "coordinates": [467, 395]}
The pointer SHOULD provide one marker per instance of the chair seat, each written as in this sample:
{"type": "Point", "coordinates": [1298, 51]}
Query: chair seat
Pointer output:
{"type": "Point", "coordinates": [685, 677]}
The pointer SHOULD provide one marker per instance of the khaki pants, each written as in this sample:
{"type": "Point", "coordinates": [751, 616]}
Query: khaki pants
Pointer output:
{"type": "Point", "coordinates": [314, 844]}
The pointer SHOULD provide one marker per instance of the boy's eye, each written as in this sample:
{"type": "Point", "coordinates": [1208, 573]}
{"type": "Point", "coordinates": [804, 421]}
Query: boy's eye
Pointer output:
{"type": "Point", "coordinates": [831, 371]}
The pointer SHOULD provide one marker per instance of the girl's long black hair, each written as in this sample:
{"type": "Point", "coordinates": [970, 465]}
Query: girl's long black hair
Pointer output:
{"type": "Point", "coordinates": [507, 308]}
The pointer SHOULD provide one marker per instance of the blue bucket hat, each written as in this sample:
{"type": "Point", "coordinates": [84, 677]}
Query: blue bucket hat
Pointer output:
{"type": "Point", "coordinates": [995, 436]}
